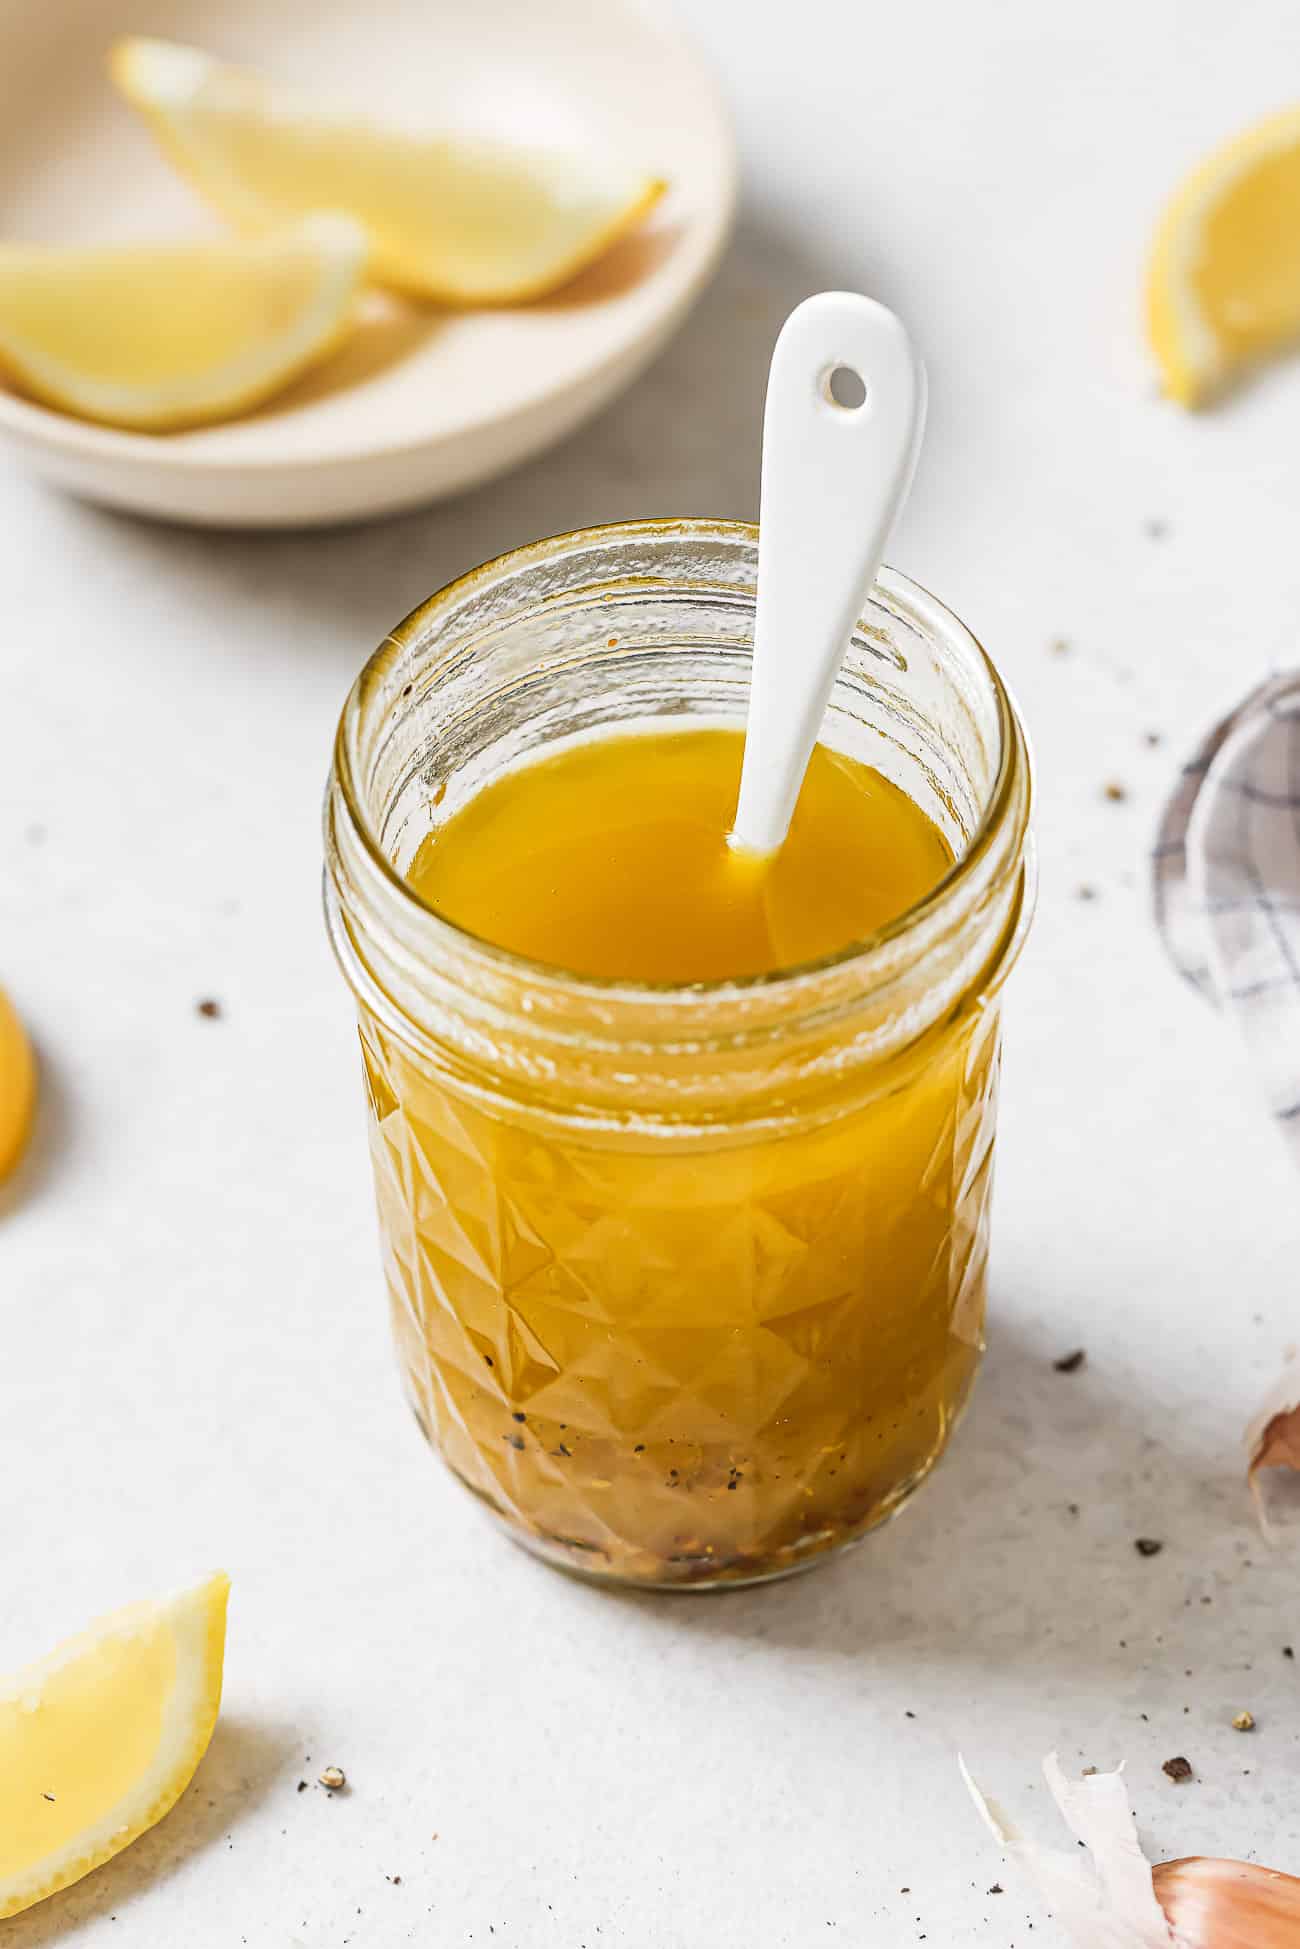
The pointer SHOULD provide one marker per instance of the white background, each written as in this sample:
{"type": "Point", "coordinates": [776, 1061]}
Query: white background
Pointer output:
{"type": "Point", "coordinates": [193, 1356]}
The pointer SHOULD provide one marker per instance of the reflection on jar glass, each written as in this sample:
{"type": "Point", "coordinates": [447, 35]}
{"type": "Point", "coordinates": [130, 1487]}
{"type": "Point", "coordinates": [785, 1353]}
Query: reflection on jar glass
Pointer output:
{"type": "Point", "coordinates": [687, 1283]}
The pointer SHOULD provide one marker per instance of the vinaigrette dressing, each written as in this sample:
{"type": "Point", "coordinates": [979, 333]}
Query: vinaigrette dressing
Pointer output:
{"type": "Point", "coordinates": [700, 1363]}
{"type": "Point", "coordinates": [610, 858]}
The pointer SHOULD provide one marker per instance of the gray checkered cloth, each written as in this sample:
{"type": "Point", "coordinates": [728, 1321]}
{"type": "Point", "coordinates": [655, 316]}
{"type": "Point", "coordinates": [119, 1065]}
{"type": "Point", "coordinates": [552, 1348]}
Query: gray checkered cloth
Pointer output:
{"type": "Point", "coordinates": [1227, 883]}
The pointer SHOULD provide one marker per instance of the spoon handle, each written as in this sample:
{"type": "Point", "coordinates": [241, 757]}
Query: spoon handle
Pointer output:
{"type": "Point", "coordinates": [834, 478]}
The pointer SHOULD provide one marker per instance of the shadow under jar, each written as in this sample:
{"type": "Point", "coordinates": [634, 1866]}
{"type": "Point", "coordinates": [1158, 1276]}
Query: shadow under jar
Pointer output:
{"type": "Point", "coordinates": [687, 1283]}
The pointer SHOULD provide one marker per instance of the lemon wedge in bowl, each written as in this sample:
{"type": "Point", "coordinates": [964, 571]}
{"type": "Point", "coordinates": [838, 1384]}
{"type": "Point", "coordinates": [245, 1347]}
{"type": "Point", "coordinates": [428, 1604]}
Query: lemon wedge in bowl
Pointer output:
{"type": "Point", "coordinates": [1223, 288]}
{"type": "Point", "coordinates": [160, 336]}
{"type": "Point", "coordinates": [463, 219]}
{"type": "Point", "coordinates": [99, 1740]}
{"type": "Point", "coordinates": [17, 1086]}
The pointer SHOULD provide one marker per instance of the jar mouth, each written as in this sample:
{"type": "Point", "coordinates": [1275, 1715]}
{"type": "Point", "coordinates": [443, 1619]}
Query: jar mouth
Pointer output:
{"type": "Point", "coordinates": [899, 590]}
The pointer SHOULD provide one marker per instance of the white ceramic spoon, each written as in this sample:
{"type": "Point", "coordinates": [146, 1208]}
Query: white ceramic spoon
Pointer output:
{"type": "Point", "coordinates": [834, 478]}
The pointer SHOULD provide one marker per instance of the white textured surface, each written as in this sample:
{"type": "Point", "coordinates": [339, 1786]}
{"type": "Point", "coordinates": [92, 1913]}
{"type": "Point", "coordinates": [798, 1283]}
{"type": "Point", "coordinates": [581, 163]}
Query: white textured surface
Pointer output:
{"type": "Point", "coordinates": [193, 1352]}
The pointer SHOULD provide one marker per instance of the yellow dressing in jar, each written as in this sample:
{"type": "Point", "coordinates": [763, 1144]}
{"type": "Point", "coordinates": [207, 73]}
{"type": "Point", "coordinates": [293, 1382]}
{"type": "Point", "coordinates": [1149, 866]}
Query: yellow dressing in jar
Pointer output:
{"type": "Point", "coordinates": [683, 1158]}
{"type": "Point", "coordinates": [611, 858]}
{"type": "Point", "coordinates": [702, 1370]}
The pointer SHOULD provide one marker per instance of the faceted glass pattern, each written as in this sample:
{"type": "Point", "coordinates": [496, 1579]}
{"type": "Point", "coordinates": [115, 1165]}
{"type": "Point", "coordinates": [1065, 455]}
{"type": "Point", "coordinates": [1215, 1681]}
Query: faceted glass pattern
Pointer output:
{"type": "Point", "coordinates": [680, 1360]}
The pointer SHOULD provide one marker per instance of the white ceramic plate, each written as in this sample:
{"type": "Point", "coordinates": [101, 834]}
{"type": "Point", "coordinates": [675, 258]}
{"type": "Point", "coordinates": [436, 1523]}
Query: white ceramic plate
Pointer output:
{"type": "Point", "coordinates": [421, 403]}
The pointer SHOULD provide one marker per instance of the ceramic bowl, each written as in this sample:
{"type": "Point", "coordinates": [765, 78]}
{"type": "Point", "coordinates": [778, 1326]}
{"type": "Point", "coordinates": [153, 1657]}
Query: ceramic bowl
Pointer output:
{"type": "Point", "coordinates": [421, 403]}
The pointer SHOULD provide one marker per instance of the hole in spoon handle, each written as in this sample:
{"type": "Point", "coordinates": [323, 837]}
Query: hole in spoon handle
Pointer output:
{"type": "Point", "coordinates": [846, 388]}
{"type": "Point", "coordinates": [838, 460]}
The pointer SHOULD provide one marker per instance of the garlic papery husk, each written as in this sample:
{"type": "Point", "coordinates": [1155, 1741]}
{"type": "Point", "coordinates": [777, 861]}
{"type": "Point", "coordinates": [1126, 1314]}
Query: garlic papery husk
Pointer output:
{"type": "Point", "coordinates": [1102, 1899]}
{"type": "Point", "coordinates": [1228, 1904]}
{"type": "Point", "coordinates": [1273, 1453]}
{"type": "Point", "coordinates": [1109, 1898]}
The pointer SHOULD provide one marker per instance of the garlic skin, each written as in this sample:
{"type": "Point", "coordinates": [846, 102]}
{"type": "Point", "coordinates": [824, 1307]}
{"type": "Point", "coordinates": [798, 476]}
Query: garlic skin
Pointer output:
{"type": "Point", "coordinates": [1104, 1896]}
{"type": "Point", "coordinates": [1101, 1895]}
{"type": "Point", "coordinates": [1228, 1904]}
{"type": "Point", "coordinates": [1272, 1443]}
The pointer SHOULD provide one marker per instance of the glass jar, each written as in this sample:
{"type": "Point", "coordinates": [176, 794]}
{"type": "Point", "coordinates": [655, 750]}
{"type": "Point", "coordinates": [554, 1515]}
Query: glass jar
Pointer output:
{"type": "Point", "coordinates": [687, 1283]}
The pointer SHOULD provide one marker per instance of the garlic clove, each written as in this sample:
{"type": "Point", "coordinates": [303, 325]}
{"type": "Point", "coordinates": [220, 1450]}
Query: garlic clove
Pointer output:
{"type": "Point", "coordinates": [1273, 1452]}
{"type": "Point", "coordinates": [1228, 1904]}
{"type": "Point", "coordinates": [1106, 1896]}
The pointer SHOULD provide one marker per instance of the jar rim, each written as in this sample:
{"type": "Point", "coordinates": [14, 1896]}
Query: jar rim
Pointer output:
{"type": "Point", "coordinates": [921, 605]}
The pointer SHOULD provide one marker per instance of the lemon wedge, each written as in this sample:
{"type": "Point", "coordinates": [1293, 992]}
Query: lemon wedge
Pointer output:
{"type": "Point", "coordinates": [101, 1738]}
{"type": "Point", "coordinates": [17, 1086]}
{"type": "Point", "coordinates": [1223, 290]}
{"type": "Point", "coordinates": [157, 336]}
{"type": "Point", "coordinates": [462, 219]}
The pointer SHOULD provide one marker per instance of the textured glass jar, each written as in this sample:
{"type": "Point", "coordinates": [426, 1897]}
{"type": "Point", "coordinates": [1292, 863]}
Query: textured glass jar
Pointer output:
{"type": "Point", "coordinates": [687, 1283]}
